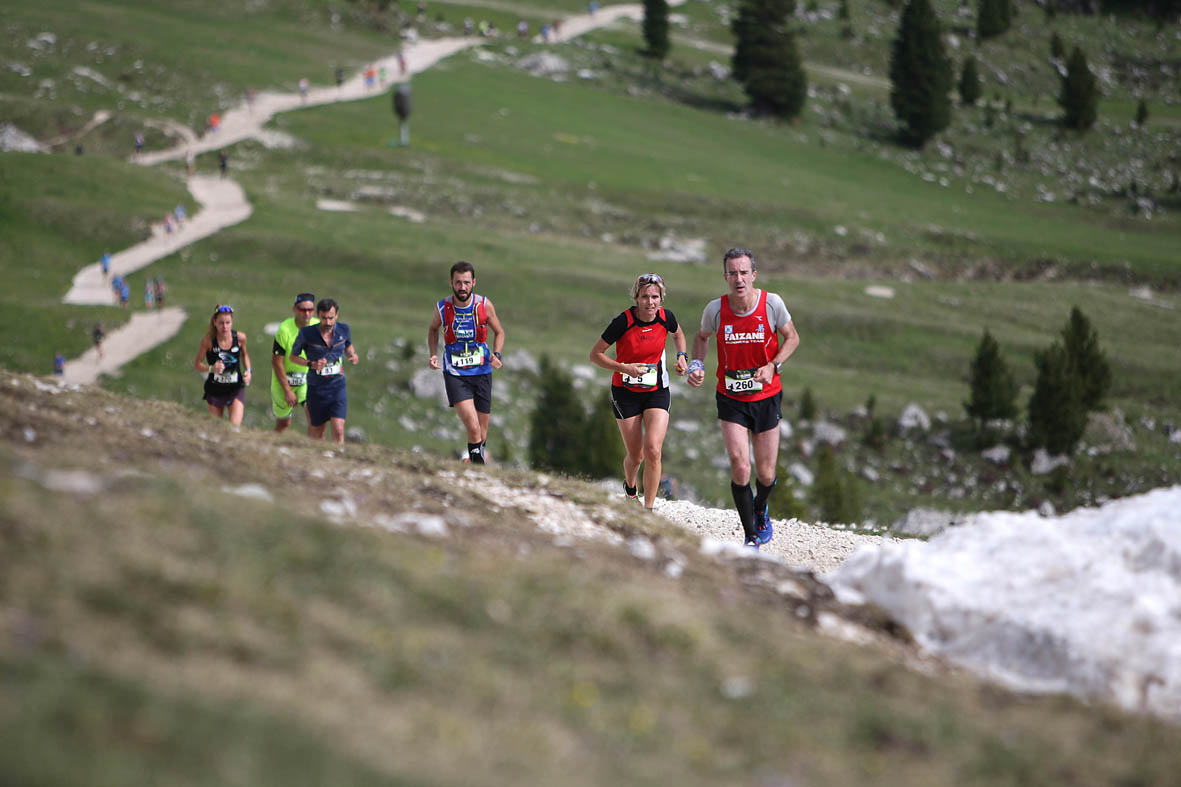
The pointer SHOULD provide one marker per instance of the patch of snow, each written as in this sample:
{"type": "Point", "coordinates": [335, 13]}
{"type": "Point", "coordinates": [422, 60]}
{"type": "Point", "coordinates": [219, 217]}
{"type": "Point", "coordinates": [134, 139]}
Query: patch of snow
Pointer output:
{"type": "Point", "coordinates": [1087, 603]}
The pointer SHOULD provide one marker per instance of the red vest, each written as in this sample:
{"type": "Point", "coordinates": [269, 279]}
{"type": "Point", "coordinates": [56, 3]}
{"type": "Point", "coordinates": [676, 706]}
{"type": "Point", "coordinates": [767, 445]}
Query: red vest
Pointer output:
{"type": "Point", "coordinates": [643, 344]}
{"type": "Point", "coordinates": [449, 320]}
{"type": "Point", "coordinates": [745, 344]}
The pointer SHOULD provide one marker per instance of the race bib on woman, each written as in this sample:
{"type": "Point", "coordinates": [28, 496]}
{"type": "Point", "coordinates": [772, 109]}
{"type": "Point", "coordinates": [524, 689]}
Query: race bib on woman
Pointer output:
{"type": "Point", "coordinates": [645, 380]}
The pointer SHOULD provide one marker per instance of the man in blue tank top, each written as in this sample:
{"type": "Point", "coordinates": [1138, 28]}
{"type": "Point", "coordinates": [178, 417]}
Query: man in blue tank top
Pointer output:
{"type": "Point", "coordinates": [323, 348]}
{"type": "Point", "coordinates": [467, 363]}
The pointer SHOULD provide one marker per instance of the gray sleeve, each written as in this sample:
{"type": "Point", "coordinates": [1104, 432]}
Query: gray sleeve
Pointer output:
{"type": "Point", "coordinates": [711, 316]}
{"type": "Point", "coordinates": [777, 313]}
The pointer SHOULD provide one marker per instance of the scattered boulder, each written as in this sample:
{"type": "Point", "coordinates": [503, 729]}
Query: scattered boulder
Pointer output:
{"type": "Point", "coordinates": [828, 432]}
{"type": "Point", "coordinates": [914, 417]}
{"type": "Point", "coordinates": [1044, 463]}
{"type": "Point", "coordinates": [1109, 432]}
{"type": "Point", "coordinates": [801, 474]}
{"type": "Point", "coordinates": [544, 64]}
{"type": "Point", "coordinates": [428, 384]}
{"type": "Point", "coordinates": [998, 454]}
{"type": "Point", "coordinates": [926, 521]}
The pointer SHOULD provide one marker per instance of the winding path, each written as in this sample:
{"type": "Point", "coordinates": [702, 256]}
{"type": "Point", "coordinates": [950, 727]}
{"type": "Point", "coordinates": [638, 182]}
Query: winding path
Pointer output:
{"type": "Point", "coordinates": [222, 201]}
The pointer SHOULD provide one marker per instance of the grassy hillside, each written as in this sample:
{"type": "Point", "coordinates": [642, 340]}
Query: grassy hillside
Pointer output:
{"type": "Point", "coordinates": [559, 191]}
{"type": "Point", "coordinates": [180, 603]}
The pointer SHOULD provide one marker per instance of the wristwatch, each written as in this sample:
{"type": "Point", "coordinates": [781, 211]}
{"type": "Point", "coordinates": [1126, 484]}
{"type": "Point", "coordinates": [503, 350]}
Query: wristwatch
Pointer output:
{"type": "Point", "coordinates": [778, 365]}
{"type": "Point", "coordinates": [497, 355]}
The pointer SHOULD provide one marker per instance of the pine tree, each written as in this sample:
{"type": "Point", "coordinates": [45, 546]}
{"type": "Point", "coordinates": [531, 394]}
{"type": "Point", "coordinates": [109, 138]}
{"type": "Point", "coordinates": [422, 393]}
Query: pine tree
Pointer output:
{"type": "Point", "coordinates": [784, 503]}
{"type": "Point", "coordinates": [920, 75]}
{"type": "Point", "coordinates": [835, 493]}
{"type": "Point", "coordinates": [1057, 48]}
{"type": "Point", "coordinates": [807, 405]}
{"type": "Point", "coordinates": [603, 455]}
{"type": "Point", "coordinates": [1081, 342]}
{"type": "Point", "coordinates": [558, 423]}
{"type": "Point", "coordinates": [1141, 113]}
{"type": "Point", "coordinates": [992, 18]}
{"type": "Point", "coordinates": [656, 29]}
{"type": "Point", "coordinates": [766, 61]}
{"type": "Point", "coordinates": [1057, 416]}
{"type": "Point", "coordinates": [969, 82]}
{"type": "Point", "coordinates": [1079, 98]}
{"type": "Point", "coordinates": [993, 389]}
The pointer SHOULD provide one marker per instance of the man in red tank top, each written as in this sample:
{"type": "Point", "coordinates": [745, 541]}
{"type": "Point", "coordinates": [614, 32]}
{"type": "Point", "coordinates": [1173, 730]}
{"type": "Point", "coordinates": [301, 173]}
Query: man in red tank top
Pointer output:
{"type": "Point", "coordinates": [755, 336]}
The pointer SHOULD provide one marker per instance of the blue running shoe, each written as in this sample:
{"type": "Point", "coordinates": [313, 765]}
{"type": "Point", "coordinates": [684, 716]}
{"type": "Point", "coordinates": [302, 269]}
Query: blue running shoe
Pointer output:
{"type": "Point", "coordinates": [763, 529]}
{"type": "Point", "coordinates": [751, 543]}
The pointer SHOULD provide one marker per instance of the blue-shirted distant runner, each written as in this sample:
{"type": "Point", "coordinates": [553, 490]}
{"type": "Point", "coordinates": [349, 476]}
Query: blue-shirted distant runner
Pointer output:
{"type": "Point", "coordinates": [322, 348]}
{"type": "Point", "coordinates": [465, 318]}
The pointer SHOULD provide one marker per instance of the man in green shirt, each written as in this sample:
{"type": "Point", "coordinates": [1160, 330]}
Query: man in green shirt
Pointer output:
{"type": "Point", "coordinates": [289, 382]}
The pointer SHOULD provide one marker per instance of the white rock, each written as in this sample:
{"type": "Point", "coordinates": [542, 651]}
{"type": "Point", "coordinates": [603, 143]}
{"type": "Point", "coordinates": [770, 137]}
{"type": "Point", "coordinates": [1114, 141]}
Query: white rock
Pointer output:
{"type": "Point", "coordinates": [641, 548]}
{"type": "Point", "coordinates": [998, 454]}
{"type": "Point", "coordinates": [1044, 463]}
{"type": "Point", "coordinates": [428, 384]}
{"type": "Point", "coordinates": [800, 473]}
{"type": "Point", "coordinates": [252, 491]}
{"type": "Point", "coordinates": [828, 432]}
{"type": "Point", "coordinates": [914, 417]}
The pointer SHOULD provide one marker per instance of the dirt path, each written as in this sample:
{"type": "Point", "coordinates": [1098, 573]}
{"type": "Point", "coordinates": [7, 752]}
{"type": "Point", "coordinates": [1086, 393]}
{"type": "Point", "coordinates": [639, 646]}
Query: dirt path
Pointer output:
{"type": "Point", "coordinates": [223, 202]}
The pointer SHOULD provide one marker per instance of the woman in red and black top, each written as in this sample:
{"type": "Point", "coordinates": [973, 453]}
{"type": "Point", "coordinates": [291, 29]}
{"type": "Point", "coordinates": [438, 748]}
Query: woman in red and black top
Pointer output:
{"type": "Point", "coordinates": [639, 387]}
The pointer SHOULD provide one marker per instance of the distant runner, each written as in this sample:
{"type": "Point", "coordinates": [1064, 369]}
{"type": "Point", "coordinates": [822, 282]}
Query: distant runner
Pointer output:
{"type": "Point", "coordinates": [98, 334]}
{"type": "Point", "coordinates": [289, 381]}
{"type": "Point", "coordinates": [223, 355]}
{"type": "Point", "coordinates": [639, 388]}
{"type": "Point", "coordinates": [755, 335]}
{"type": "Point", "coordinates": [467, 362]}
{"type": "Point", "coordinates": [325, 345]}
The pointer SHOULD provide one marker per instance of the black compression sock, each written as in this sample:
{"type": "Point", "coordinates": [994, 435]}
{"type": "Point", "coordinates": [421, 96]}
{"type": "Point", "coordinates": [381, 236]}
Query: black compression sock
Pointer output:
{"type": "Point", "coordinates": [631, 491]}
{"type": "Point", "coordinates": [764, 493]}
{"type": "Point", "coordinates": [475, 452]}
{"type": "Point", "coordinates": [744, 501]}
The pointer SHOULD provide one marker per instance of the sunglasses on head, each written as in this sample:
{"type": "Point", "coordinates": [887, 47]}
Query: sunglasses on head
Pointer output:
{"type": "Point", "coordinates": [651, 278]}
{"type": "Point", "coordinates": [225, 309]}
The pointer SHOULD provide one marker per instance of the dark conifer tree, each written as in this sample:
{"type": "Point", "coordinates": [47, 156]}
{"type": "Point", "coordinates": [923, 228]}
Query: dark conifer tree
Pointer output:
{"type": "Point", "coordinates": [992, 18]}
{"type": "Point", "coordinates": [1079, 98]}
{"type": "Point", "coordinates": [970, 89]}
{"type": "Point", "coordinates": [1141, 113]}
{"type": "Point", "coordinates": [603, 457]}
{"type": "Point", "coordinates": [1088, 361]}
{"type": "Point", "coordinates": [766, 61]}
{"type": "Point", "coordinates": [1057, 416]}
{"type": "Point", "coordinates": [558, 424]}
{"type": "Point", "coordinates": [834, 492]}
{"type": "Point", "coordinates": [656, 29]}
{"type": "Point", "coordinates": [993, 389]}
{"type": "Point", "coordinates": [1057, 48]}
{"type": "Point", "coordinates": [920, 75]}
{"type": "Point", "coordinates": [807, 405]}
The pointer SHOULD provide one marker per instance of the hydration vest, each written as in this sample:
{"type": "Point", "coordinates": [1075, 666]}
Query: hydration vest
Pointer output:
{"type": "Point", "coordinates": [449, 320]}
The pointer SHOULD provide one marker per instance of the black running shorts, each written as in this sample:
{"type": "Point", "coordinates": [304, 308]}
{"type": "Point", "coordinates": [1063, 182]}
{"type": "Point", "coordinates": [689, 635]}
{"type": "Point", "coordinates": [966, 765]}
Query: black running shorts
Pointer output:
{"type": "Point", "coordinates": [758, 416]}
{"type": "Point", "coordinates": [477, 387]}
{"type": "Point", "coordinates": [629, 403]}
